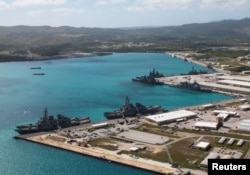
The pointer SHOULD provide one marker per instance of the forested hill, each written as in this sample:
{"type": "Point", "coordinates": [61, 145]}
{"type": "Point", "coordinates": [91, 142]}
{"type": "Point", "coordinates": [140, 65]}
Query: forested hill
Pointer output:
{"type": "Point", "coordinates": [47, 41]}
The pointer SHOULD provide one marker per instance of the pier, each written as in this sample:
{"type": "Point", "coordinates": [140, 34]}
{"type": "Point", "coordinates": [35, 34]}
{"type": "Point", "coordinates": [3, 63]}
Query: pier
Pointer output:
{"type": "Point", "coordinates": [127, 139]}
{"type": "Point", "coordinates": [111, 156]}
{"type": "Point", "coordinates": [216, 82]}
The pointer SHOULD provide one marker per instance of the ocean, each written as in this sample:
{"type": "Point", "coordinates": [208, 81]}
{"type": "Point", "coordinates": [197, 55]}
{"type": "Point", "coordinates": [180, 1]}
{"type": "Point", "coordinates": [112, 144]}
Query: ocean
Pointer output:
{"type": "Point", "coordinates": [80, 87]}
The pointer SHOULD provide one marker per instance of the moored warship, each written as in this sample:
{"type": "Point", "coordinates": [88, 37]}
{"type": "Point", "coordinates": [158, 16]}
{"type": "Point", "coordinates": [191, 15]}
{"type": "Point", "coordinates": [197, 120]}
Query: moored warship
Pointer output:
{"type": "Point", "coordinates": [195, 86]}
{"type": "Point", "coordinates": [49, 123]}
{"type": "Point", "coordinates": [193, 71]}
{"type": "Point", "coordinates": [150, 78]}
{"type": "Point", "coordinates": [130, 110]}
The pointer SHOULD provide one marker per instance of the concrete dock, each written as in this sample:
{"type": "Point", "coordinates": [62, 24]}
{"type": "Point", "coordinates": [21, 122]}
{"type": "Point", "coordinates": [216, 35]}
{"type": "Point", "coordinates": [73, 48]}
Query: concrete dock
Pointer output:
{"type": "Point", "coordinates": [216, 82]}
{"type": "Point", "coordinates": [111, 156]}
{"type": "Point", "coordinates": [154, 143]}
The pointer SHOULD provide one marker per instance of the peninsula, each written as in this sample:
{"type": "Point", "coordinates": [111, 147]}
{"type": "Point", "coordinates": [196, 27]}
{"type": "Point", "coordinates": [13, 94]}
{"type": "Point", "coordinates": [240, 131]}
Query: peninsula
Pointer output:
{"type": "Point", "coordinates": [171, 142]}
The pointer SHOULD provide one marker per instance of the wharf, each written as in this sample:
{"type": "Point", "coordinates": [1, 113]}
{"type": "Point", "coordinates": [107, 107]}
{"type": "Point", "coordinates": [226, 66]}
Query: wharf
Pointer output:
{"type": "Point", "coordinates": [111, 156]}
{"type": "Point", "coordinates": [216, 82]}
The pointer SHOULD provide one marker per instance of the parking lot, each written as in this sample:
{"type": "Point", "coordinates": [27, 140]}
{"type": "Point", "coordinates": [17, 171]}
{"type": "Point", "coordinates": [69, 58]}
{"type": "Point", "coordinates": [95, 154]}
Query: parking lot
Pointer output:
{"type": "Point", "coordinates": [143, 137]}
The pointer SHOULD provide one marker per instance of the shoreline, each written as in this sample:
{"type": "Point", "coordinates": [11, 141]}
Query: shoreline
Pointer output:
{"type": "Point", "coordinates": [111, 156]}
{"type": "Point", "coordinates": [180, 55]}
{"type": "Point", "coordinates": [103, 154]}
{"type": "Point", "coordinates": [108, 155]}
{"type": "Point", "coordinates": [54, 57]}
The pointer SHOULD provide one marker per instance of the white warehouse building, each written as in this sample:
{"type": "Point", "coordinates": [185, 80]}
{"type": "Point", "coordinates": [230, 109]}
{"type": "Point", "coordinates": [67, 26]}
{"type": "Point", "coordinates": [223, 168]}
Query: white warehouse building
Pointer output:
{"type": "Point", "coordinates": [206, 125]}
{"type": "Point", "coordinates": [172, 116]}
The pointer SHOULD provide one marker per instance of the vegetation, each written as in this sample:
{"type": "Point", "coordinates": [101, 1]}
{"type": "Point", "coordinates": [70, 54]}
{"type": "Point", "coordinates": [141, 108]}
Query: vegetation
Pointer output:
{"type": "Point", "coordinates": [222, 54]}
{"type": "Point", "coordinates": [186, 156]}
{"type": "Point", "coordinates": [56, 138]}
{"type": "Point", "coordinates": [227, 57]}
{"type": "Point", "coordinates": [240, 68]}
{"type": "Point", "coordinates": [19, 41]}
{"type": "Point", "coordinates": [160, 156]}
{"type": "Point", "coordinates": [105, 143]}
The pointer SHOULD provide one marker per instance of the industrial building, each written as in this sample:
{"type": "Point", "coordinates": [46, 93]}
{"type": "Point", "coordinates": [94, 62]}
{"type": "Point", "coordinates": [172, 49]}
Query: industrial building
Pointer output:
{"type": "Point", "coordinates": [211, 155]}
{"type": "Point", "coordinates": [100, 125]}
{"type": "Point", "coordinates": [206, 125]}
{"type": "Point", "coordinates": [237, 78]}
{"type": "Point", "coordinates": [245, 107]}
{"type": "Point", "coordinates": [227, 88]}
{"type": "Point", "coordinates": [223, 116]}
{"type": "Point", "coordinates": [173, 116]}
{"type": "Point", "coordinates": [244, 125]}
{"type": "Point", "coordinates": [235, 83]}
{"type": "Point", "coordinates": [207, 106]}
{"type": "Point", "coordinates": [240, 142]}
{"type": "Point", "coordinates": [230, 113]}
{"type": "Point", "coordinates": [231, 141]}
{"type": "Point", "coordinates": [202, 145]}
{"type": "Point", "coordinates": [222, 140]}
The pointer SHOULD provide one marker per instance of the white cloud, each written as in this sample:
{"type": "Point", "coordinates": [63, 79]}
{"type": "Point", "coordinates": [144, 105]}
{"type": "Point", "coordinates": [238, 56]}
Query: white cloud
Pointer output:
{"type": "Point", "coordinates": [35, 12]}
{"type": "Point", "coordinates": [106, 2]}
{"type": "Point", "coordinates": [146, 5]}
{"type": "Point", "coordinates": [67, 11]}
{"type": "Point", "coordinates": [225, 4]}
{"type": "Point", "coordinates": [37, 2]}
{"type": "Point", "coordinates": [3, 4]}
{"type": "Point", "coordinates": [56, 11]}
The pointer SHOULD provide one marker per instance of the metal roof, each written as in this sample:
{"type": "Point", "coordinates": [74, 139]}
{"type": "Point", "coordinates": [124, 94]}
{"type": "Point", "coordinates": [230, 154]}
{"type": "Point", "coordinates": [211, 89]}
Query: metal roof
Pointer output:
{"type": "Point", "coordinates": [224, 112]}
{"type": "Point", "coordinates": [222, 140]}
{"type": "Point", "coordinates": [225, 87]}
{"type": "Point", "coordinates": [206, 124]}
{"type": "Point", "coordinates": [169, 116]}
{"type": "Point", "coordinates": [247, 78]}
{"type": "Point", "coordinates": [234, 82]}
{"type": "Point", "coordinates": [244, 125]}
{"type": "Point", "coordinates": [244, 107]}
{"type": "Point", "coordinates": [202, 145]}
{"type": "Point", "coordinates": [211, 155]}
{"type": "Point", "coordinates": [240, 142]}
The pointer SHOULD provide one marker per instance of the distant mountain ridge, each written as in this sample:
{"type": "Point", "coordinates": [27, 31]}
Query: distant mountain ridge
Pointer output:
{"type": "Point", "coordinates": [52, 40]}
{"type": "Point", "coordinates": [211, 28]}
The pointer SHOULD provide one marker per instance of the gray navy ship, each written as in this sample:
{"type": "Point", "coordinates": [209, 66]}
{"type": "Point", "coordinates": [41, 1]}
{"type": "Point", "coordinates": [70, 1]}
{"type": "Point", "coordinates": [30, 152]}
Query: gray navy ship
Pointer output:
{"type": "Point", "coordinates": [130, 110]}
{"type": "Point", "coordinates": [49, 123]}
{"type": "Point", "coordinates": [151, 78]}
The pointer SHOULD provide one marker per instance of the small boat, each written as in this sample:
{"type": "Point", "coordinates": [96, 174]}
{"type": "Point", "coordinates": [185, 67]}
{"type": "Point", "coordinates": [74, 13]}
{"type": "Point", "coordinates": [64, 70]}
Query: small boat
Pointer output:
{"type": "Point", "coordinates": [35, 68]}
{"type": "Point", "coordinates": [38, 73]}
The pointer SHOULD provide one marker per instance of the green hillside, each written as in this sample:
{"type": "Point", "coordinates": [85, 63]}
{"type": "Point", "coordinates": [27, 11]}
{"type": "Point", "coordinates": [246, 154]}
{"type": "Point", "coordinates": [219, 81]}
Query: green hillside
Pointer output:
{"type": "Point", "coordinates": [16, 41]}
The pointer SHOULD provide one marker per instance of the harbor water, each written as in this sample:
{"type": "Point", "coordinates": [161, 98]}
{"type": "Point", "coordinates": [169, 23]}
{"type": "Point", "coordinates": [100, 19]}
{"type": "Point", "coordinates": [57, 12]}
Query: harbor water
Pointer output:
{"type": "Point", "coordinates": [80, 87]}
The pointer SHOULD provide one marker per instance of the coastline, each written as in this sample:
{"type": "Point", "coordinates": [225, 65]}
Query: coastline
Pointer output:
{"type": "Point", "coordinates": [113, 155]}
{"type": "Point", "coordinates": [181, 55]}
{"type": "Point", "coordinates": [54, 57]}
{"type": "Point", "coordinates": [104, 154]}
{"type": "Point", "coordinates": [110, 156]}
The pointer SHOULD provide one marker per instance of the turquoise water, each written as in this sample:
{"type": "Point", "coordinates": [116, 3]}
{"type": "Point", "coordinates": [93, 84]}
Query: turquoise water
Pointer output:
{"type": "Point", "coordinates": [79, 87]}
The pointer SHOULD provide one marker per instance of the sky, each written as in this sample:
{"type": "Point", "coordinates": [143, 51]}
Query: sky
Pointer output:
{"type": "Point", "coordinates": [119, 13]}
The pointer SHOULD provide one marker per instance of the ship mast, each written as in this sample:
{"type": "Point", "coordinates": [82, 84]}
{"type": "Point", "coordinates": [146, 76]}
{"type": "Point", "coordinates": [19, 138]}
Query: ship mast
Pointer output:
{"type": "Point", "coordinates": [45, 114]}
{"type": "Point", "coordinates": [126, 101]}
